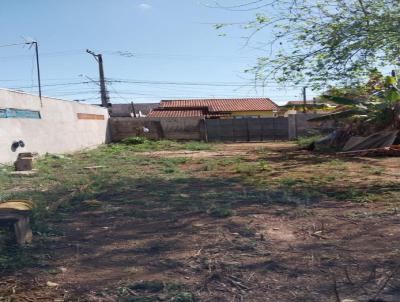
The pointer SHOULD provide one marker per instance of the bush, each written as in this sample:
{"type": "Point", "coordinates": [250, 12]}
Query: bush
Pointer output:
{"type": "Point", "coordinates": [306, 141]}
{"type": "Point", "coordinates": [135, 140]}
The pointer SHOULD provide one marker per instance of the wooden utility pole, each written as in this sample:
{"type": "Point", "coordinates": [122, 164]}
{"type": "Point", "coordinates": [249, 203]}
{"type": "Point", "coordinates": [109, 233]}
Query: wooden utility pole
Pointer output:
{"type": "Point", "coordinates": [103, 89]}
{"type": "Point", "coordinates": [304, 99]}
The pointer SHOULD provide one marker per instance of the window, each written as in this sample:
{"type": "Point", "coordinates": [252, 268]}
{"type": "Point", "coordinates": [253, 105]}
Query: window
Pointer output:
{"type": "Point", "coordinates": [19, 113]}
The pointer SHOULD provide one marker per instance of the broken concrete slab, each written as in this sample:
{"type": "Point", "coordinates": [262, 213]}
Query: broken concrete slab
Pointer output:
{"type": "Point", "coordinates": [386, 151]}
{"type": "Point", "coordinates": [377, 140]}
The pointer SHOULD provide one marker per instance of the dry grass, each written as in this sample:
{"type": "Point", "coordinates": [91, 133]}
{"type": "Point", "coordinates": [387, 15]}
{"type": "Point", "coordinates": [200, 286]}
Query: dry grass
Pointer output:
{"type": "Point", "coordinates": [240, 222]}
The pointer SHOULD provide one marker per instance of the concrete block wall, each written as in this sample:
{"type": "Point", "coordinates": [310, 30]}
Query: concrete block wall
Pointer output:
{"type": "Point", "coordinates": [59, 130]}
{"type": "Point", "coordinates": [124, 127]}
{"type": "Point", "coordinates": [182, 128]}
{"type": "Point", "coordinates": [249, 129]}
{"type": "Point", "coordinates": [300, 126]}
{"type": "Point", "coordinates": [260, 129]}
{"type": "Point", "coordinates": [159, 128]}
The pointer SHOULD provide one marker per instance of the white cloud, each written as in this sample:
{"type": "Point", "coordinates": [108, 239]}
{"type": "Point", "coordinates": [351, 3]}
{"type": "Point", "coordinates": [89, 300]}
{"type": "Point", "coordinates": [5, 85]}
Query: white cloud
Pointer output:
{"type": "Point", "coordinates": [144, 6]}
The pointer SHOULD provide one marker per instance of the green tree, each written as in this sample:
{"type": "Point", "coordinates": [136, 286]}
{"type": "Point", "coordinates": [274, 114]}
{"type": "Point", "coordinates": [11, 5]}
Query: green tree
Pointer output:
{"type": "Point", "coordinates": [371, 107]}
{"type": "Point", "coordinates": [322, 41]}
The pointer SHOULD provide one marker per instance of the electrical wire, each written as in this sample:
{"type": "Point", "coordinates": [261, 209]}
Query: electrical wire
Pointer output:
{"type": "Point", "coordinates": [215, 84]}
{"type": "Point", "coordinates": [13, 44]}
{"type": "Point", "coordinates": [53, 85]}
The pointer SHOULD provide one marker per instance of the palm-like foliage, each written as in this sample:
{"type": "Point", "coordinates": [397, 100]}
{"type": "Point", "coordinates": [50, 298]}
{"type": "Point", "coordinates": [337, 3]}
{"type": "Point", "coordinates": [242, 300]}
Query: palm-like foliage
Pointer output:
{"type": "Point", "coordinates": [374, 107]}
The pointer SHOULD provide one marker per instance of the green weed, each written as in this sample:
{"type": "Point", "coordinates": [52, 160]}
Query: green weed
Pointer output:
{"type": "Point", "coordinates": [134, 140]}
{"type": "Point", "coordinates": [212, 164]}
{"type": "Point", "coordinates": [139, 144]}
{"type": "Point", "coordinates": [221, 212]}
{"type": "Point", "coordinates": [376, 170]}
{"type": "Point", "coordinates": [198, 146]}
{"type": "Point", "coordinates": [264, 166]}
{"type": "Point", "coordinates": [12, 257]}
{"type": "Point", "coordinates": [288, 182]}
{"type": "Point", "coordinates": [248, 168]}
{"type": "Point", "coordinates": [305, 141]}
{"type": "Point", "coordinates": [336, 163]}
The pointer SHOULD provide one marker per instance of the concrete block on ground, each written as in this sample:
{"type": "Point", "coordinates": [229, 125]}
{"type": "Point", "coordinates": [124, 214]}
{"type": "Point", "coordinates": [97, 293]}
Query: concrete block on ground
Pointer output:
{"type": "Point", "coordinates": [24, 162]}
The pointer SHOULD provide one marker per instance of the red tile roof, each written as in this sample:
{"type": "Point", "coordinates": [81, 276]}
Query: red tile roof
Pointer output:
{"type": "Point", "coordinates": [223, 105]}
{"type": "Point", "coordinates": [175, 113]}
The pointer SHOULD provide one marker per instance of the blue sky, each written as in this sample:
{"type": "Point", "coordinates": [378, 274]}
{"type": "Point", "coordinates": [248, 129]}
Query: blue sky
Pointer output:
{"type": "Point", "coordinates": [165, 49]}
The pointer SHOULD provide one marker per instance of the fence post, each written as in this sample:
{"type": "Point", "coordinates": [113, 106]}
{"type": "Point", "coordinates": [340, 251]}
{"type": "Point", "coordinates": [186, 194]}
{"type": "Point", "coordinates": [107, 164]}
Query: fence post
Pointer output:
{"type": "Point", "coordinates": [262, 129]}
{"type": "Point", "coordinates": [274, 128]}
{"type": "Point", "coordinates": [292, 120]}
{"type": "Point", "coordinates": [247, 130]}
{"type": "Point", "coordinates": [205, 129]}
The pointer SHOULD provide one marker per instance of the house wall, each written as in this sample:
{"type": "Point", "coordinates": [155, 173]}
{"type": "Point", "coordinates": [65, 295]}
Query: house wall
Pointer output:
{"type": "Point", "coordinates": [253, 113]}
{"type": "Point", "coordinates": [58, 131]}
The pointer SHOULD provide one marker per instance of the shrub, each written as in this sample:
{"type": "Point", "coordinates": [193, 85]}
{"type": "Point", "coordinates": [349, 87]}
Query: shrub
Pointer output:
{"type": "Point", "coordinates": [305, 141]}
{"type": "Point", "coordinates": [135, 140]}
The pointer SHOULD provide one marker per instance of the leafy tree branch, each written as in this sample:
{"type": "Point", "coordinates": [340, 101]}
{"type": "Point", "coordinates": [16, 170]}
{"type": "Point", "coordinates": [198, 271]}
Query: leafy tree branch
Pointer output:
{"type": "Point", "coordinates": [322, 41]}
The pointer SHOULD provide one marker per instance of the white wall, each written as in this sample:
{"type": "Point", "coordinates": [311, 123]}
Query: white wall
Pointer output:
{"type": "Point", "coordinates": [58, 131]}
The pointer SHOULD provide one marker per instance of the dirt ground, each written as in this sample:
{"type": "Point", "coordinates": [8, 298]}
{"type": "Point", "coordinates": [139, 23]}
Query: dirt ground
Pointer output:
{"type": "Point", "coordinates": [241, 222]}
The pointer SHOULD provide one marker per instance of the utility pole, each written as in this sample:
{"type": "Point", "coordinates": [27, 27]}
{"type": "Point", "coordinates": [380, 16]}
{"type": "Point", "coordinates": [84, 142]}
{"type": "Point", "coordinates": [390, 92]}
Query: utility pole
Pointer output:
{"type": "Point", "coordinates": [304, 99]}
{"type": "Point", "coordinates": [103, 89]}
{"type": "Point", "coordinates": [37, 65]}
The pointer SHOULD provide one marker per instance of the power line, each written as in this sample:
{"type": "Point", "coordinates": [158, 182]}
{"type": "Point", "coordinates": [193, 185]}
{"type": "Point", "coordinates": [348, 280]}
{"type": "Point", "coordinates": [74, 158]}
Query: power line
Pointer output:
{"type": "Point", "coordinates": [53, 85]}
{"type": "Point", "coordinates": [214, 84]}
{"type": "Point", "coordinates": [45, 79]}
{"type": "Point", "coordinates": [35, 44]}
{"type": "Point", "coordinates": [129, 54]}
{"type": "Point", "coordinates": [166, 83]}
{"type": "Point", "coordinates": [13, 44]}
{"type": "Point", "coordinates": [45, 54]}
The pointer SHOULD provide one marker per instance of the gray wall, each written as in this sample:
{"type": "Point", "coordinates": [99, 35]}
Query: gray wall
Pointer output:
{"type": "Point", "coordinates": [247, 129]}
{"type": "Point", "coordinates": [300, 126]}
{"type": "Point", "coordinates": [167, 128]}
{"type": "Point", "coordinates": [58, 131]}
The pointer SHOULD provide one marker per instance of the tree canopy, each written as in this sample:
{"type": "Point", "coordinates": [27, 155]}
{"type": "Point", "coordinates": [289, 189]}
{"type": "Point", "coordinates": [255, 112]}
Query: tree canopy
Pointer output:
{"type": "Point", "coordinates": [322, 41]}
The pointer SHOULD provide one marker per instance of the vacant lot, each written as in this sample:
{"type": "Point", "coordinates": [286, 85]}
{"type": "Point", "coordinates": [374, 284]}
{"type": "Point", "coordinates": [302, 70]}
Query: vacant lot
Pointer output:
{"type": "Point", "coordinates": [194, 222]}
